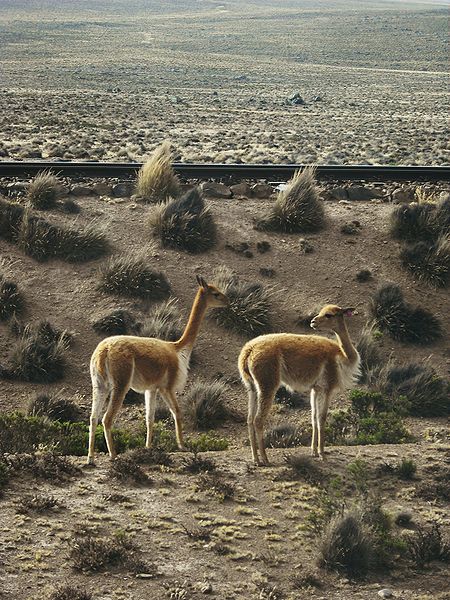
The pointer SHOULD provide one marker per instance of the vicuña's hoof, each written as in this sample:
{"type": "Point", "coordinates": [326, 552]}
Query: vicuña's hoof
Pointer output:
{"type": "Point", "coordinates": [89, 464]}
{"type": "Point", "coordinates": [183, 449]}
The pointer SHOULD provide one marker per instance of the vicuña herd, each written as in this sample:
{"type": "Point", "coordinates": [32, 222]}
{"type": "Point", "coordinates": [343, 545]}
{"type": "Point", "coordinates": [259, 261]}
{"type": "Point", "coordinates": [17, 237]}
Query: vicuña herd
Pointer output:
{"type": "Point", "coordinates": [150, 365]}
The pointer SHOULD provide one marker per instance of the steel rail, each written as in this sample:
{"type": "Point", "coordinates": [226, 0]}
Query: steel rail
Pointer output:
{"type": "Point", "coordinates": [236, 171]}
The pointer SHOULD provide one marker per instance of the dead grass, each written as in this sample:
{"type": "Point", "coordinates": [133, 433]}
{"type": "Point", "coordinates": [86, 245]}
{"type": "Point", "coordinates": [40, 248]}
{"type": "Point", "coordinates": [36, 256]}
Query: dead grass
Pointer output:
{"type": "Point", "coordinates": [156, 180]}
{"type": "Point", "coordinates": [55, 407]}
{"type": "Point", "coordinates": [43, 190]}
{"type": "Point", "coordinates": [205, 404]}
{"type": "Point", "coordinates": [12, 301]}
{"type": "Point", "coordinates": [164, 322]}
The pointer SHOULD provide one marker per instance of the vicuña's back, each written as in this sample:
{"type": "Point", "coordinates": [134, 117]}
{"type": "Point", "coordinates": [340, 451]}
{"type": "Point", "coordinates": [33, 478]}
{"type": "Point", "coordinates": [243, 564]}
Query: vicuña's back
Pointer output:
{"type": "Point", "coordinates": [300, 362]}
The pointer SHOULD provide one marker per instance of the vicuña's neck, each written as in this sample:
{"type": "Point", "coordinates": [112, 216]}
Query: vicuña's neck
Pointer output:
{"type": "Point", "coordinates": [346, 343]}
{"type": "Point", "coordinates": [193, 325]}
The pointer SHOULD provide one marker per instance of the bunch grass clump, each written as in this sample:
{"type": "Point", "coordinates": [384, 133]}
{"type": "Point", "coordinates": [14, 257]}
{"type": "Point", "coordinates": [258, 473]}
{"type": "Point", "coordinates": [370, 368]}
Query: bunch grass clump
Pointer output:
{"type": "Point", "coordinates": [125, 469]}
{"type": "Point", "coordinates": [185, 224]}
{"type": "Point", "coordinates": [131, 275]}
{"type": "Point", "coordinates": [284, 436]}
{"type": "Point", "coordinates": [156, 180]}
{"type": "Point", "coordinates": [250, 304]}
{"type": "Point", "coordinates": [369, 352]}
{"type": "Point", "coordinates": [427, 393]}
{"type": "Point", "coordinates": [403, 322]}
{"type": "Point", "coordinates": [298, 208]}
{"type": "Point", "coordinates": [11, 215]}
{"type": "Point", "coordinates": [42, 191]}
{"type": "Point", "coordinates": [429, 262]}
{"type": "Point", "coordinates": [69, 592]}
{"type": "Point", "coordinates": [414, 222]}
{"type": "Point", "coordinates": [46, 465]}
{"type": "Point", "coordinates": [115, 322]}
{"type": "Point", "coordinates": [427, 545]}
{"type": "Point", "coordinates": [55, 408]}
{"type": "Point", "coordinates": [164, 322]}
{"type": "Point", "coordinates": [11, 299]}
{"type": "Point", "coordinates": [205, 404]}
{"type": "Point", "coordinates": [37, 503]}
{"type": "Point", "coordinates": [38, 356]}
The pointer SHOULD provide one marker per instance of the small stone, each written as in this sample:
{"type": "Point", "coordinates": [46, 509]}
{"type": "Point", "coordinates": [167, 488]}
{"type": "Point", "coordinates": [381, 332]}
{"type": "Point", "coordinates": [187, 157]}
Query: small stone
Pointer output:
{"type": "Point", "coordinates": [359, 193]}
{"type": "Point", "coordinates": [145, 576]}
{"type": "Point", "coordinates": [305, 246]}
{"type": "Point", "coordinates": [81, 190]}
{"type": "Point", "coordinates": [241, 189]}
{"type": "Point", "coordinates": [262, 190]}
{"type": "Point", "coordinates": [385, 593]}
{"type": "Point", "coordinates": [206, 588]}
{"type": "Point", "coordinates": [216, 190]}
{"type": "Point", "coordinates": [339, 193]}
{"type": "Point", "coordinates": [122, 190]}
{"type": "Point", "coordinates": [401, 195]}
{"type": "Point", "coordinates": [263, 247]}
{"type": "Point", "coordinates": [265, 272]}
{"type": "Point", "coordinates": [102, 189]}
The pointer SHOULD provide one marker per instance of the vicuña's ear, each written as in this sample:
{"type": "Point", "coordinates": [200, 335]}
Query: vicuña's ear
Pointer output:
{"type": "Point", "coordinates": [201, 282]}
{"type": "Point", "coordinates": [349, 312]}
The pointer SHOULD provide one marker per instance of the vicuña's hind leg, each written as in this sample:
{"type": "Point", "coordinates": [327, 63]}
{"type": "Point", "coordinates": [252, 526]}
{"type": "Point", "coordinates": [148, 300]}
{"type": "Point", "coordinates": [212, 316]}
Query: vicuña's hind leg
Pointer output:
{"type": "Point", "coordinates": [265, 399]}
{"type": "Point", "coordinates": [252, 407]}
{"type": "Point", "coordinates": [323, 402]}
{"type": "Point", "coordinates": [171, 400]}
{"type": "Point", "coordinates": [150, 406]}
{"type": "Point", "coordinates": [99, 399]}
{"type": "Point", "coordinates": [314, 412]}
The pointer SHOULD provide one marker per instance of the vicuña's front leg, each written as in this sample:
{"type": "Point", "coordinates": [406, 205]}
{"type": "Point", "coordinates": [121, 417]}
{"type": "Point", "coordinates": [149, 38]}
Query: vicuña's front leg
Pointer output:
{"type": "Point", "coordinates": [322, 411]}
{"type": "Point", "coordinates": [313, 399]}
{"type": "Point", "coordinates": [171, 399]}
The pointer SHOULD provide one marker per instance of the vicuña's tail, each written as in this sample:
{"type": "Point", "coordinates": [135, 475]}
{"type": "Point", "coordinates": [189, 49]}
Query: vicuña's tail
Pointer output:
{"type": "Point", "coordinates": [243, 365]}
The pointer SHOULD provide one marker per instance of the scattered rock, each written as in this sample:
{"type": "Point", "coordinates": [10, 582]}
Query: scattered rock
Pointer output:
{"type": "Point", "coordinates": [145, 576]}
{"type": "Point", "coordinates": [295, 99]}
{"type": "Point", "coordinates": [265, 272]}
{"type": "Point", "coordinates": [317, 99]}
{"type": "Point", "coordinates": [241, 189]}
{"type": "Point", "coordinates": [358, 193]}
{"type": "Point", "coordinates": [17, 187]}
{"type": "Point", "coordinates": [352, 228]}
{"type": "Point", "coordinates": [263, 247]}
{"type": "Point", "coordinates": [102, 189]}
{"type": "Point", "coordinates": [216, 190]}
{"type": "Point", "coordinates": [206, 588]}
{"type": "Point", "coordinates": [385, 593]}
{"type": "Point", "coordinates": [81, 190]}
{"type": "Point", "coordinates": [262, 190]}
{"type": "Point", "coordinates": [305, 246]}
{"type": "Point", "coordinates": [122, 190]}
{"type": "Point", "coordinates": [339, 193]}
{"type": "Point", "coordinates": [400, 195]}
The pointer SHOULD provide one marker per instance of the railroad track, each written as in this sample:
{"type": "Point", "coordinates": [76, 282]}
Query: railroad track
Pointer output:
{"type": "Point", "coordinates": [222, 171]}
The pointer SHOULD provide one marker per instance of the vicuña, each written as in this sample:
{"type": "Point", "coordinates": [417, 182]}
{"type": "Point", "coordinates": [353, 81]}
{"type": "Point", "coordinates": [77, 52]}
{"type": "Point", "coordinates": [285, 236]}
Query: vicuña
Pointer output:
{"type": "Point", "coordinates": [301, 363]}
{"type": "Point", "coordinates": [146, 365]}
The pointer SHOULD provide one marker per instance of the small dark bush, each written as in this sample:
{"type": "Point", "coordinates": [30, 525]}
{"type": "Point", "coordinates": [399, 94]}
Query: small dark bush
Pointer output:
{"type": "Point", "coordinates": [164, 322]}
{"type": "Point", "coordinates": [11, 299]}
{"type": "Point", "coordinates": [298, 208]}
{"type": "Point", "coordinates": [43, 190]}
{"type": "Point", "coordinates": [42, 240]}
{"type": "Point", "coordinates": [205, 404]}
{"type": "Point", "coordinates": [363, 276]}
{"type": "Point", "coordinates": [11, 215]}
{"type": "Point", "coordinates": [38, 355]}
{"type": "Point", "coordinates": [124, 468]}
{"type": "Point", "coordinates": [403, 519]}
{"type": "Point", "coordinates": [371, 361]}
{"type": "Point", "coordinates": [43, 465]}
{"type": "Point", "coordinates": [382, 428]}
{"type": "Point", "coordinates": [68, 592]}
{"type": "Point", "coordinates": [427, 545]}
{"type": "Point", "coordinates": [406, 469]}
{"type": "Point", "coordinates": [129, 275]}
{"type": "Point", "coordinates": [36, 504]}
{"type": "Point", "coordinates": [302, 467]}
{"type": "Point", "coordinates": [352, 228]}
{"type": "Point", "coordinates": [427, 392]}
{"type": "Point", "coordinates": [156, 179]}
{"type": "Point", "coordinates": [91, 554]}
{"type": "Point", "coordinates": [249, 311]}
{"type": "Point", "coordinates": [201, 534]}
{"type": "Point", "coordinates": [346, 546]}
{"type": "Point", "coordinates": [437, 489]}
{"type": "Point", "coordinates": [70, 206]}
{"type": "Point", "coordinates": [307, 579]}
{"type": "Point", "coordinates": [4, 475]}
{"type": "Point", "coordinates": [402, 321]}
{"type": "Point", "coordinates": [290, 398]}
{"type": "Point", "coordinates": [150, 456]}
{"type": "Point", "coordinates": [414, 222]}
{"type": "Point", "coordinates": [197, 464]}
{"type": "Point", "coordinates": [116, 322]}
{"type": "Point", "coordinates": [367, 402]}
{"type": "Point", "coordinates": [214, 484]}
{"type": "Point", "coordinates": [429, 263]}
{"type": "Point", "coordinates": [54, 408]}
{"type": "Point", "coordinates": [284, 436]}
{"type": "Point", "coordinates": [185, 224]}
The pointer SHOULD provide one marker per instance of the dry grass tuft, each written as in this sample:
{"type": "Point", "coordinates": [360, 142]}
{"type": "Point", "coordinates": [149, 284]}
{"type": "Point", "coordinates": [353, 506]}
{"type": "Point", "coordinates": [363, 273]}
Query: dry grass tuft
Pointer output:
{"type": "Point", "coordinates": [68, 592]}
{"type": "Point", "coordinates": [164, 322]}
{"type": "Point", "coordinates": [284, 436]}
{"type": "Point", "coordinates": [429, 263]}
{"type": "Point", "coordinates": [36, 503]}
{"type": "Point", "coordinates": [131, 275]}
{"type": "Point", "coordinates": [402, 321]}
{"type": "Point", "coordinates": [11, 215]}
{"type": "Point", "coordinates": [298, 208]}
{"type": "Point", "coordinates": [249, 311]}
{"type": "Point", "coordinates": [156, 180]}
{"type": "Point", "coordinates": [126, 469]}
{"type": "Point", "coordinates": [371, 360]}
{"type": "Point", "coordinates": [11, 300]}
{"type": "Point", "coordinates": [205, 404]}
{"type": "Point", "coordinates": [43, 190]}
{"type": "Point", "coordinates": [55, 408]}
{"type": "Point", "coordinates": [427, 545]}
{"type": "Point", "coordinates": [115, 322]}
{"type": "Point", "coordinates": [185, 224]}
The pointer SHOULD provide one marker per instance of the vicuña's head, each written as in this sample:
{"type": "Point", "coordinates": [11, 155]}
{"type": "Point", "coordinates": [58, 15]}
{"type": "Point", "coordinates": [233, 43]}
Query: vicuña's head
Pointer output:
{"type": "Point", "coordinates": [214, 297]}
{"type": "Point", "coordinates": [331, 317]}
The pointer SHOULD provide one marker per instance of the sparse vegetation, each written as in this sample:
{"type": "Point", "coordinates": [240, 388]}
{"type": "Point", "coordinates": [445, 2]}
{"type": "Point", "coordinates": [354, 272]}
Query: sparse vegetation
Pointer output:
{"type": "Point", "coordinates": [402, 321]}
{"type": "Point", "coordinates": [290, 398]}
{"type": "Point", "coordinates": [414, 222]}
{"type": "Point", "coordinates": [185, 224]}
{"type": "Point", "coordinates": [215, 484]}
{"type": "Point", "coordinates": [428, 544]}
{"type": "Point", "coordinates": [43, 465]}
{"type": "Point", "coordinates": [43, 190]}
{"type": "Point", "coordinates": [351, 228]}
{"type": "Point", "coordinates": [406, 469]}
{"type": "Point", "coordinates": [371, 361]}
{"type": "Point", "coordinates": [37, 503]}
{"type": "Point", "coordinates": [115, 322]}
{"type": "Point", "coordinates": [156, 179]}
{"type": "Point", "coordinates": [54, 407]}
{"type": "Point", "coordinates": [70, 207]}
{"type": "Point", "coordinates": [198, 464]}
{"type": "Point", "coordinates": [164, 322]}
{"type": "Point", "coordinates": [38, 354]}
{"type": "Point", "coordinates": [126, 469]}
{"type": "Point", "coordinates": [284, 436]}
{"type": "Point", "coordinates": [11, 215]}
{"type": "Point", "coordinates": [298, 208]}
{"type": "Point", "coordinates": [249, 311]}
{"type": "Point", "coordinates": [68, 592]}
{"type": "Point", "coordinates": [131, 275]}
{"type": "Point", "coordinates": [429, 263]}
{"type": "Point", "coordinates": [11, 299]}
{"type": "Point", "coordinates": [363, 276]}
{"type": "Point", "coordinates": [205, 404]}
